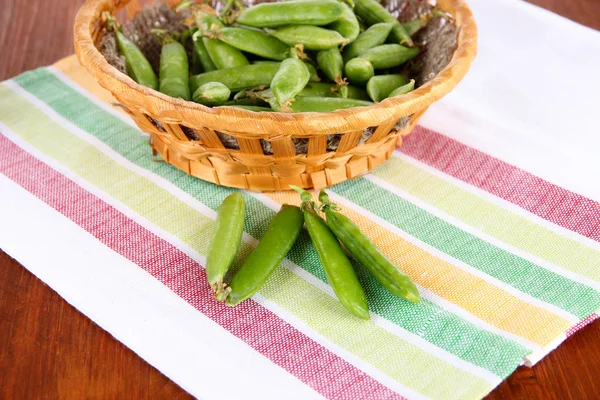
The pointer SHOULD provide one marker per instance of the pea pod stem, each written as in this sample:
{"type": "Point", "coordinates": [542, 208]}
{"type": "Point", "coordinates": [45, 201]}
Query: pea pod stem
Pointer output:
{"type": "Point", "coordinates": [368, 254]}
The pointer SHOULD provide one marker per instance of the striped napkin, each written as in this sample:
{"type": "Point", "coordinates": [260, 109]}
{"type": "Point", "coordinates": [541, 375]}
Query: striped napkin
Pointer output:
{"type": "Point", "coordinates": [480, 206]}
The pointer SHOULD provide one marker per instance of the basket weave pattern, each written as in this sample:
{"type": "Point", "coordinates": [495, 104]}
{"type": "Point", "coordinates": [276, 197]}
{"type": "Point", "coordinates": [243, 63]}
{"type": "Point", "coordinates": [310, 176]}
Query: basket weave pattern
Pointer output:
{"type": "Point", "coordinates": [166, 119]}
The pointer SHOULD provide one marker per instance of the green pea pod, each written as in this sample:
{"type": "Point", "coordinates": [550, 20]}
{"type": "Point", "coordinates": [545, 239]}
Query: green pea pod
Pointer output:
{"type": "Point", "coordinates": [369, 255]}
{"type": "Point", "coordinates": [249, 108]}
{"type": "Point", "coordinates": [347, 26]}
{"type": "Point", "coordinates": [374, 36]}
{"type": "Point", "coordinates": [311, 37]}
{"type": "Point", "coordinates": [314, 75]}
{"type": "Point", "coordinates": [332, 64]}
{"type": "Point", "coordinates": [372, 12]}
{"type": "Point", "coordinates": [255, 42]}
{"type": "Point", "coordinates": [325, 104]}
{"type": "Point", "coordinates": [409, 87]}
{"type": "Point", "coordinates": [269, 15]}
{"type": "Point", "coordinates": [352, 92]}
{"type": "Point", "coordinates": [138, 66]}
{"type": "Point", "coordinates": [174, 80]}
{"type": "Point", "coordinates": [339, 271]}
{"type": "Point", "coordinates": [389, 55]}
{"type": "Point", "coordinates": [205, 63]}
{"type": "Point", "coordinates": [224, 55]}
{"type": "Point", "coordinates": [277, 241]}
{"type": "Point", "coordinates": [212, 94]}
{"type": "Point", "coordinates": [322, 89]}
{"type": "Point", "coordinates": [380, 86]}
{"type": "Point", "coordinates": [359, 71]}
{"type": "Point", "coordinates": [416, 25]}
{"type": "Point", "coordinates": [292, 77]}
{"type": "Point", "coordinates": [240, 78]}
{"type": "Point", "coordinates": [226, 239]}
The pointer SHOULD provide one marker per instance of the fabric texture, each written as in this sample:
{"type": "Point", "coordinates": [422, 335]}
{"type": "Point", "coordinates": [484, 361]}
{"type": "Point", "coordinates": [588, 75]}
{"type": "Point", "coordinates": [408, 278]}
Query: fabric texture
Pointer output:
{"type": "Point", "coordinates": [502, 240]}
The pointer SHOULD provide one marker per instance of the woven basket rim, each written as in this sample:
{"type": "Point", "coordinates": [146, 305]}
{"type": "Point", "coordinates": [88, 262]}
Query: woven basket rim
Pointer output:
{"type": "Point", "coordinates": [270, 124]}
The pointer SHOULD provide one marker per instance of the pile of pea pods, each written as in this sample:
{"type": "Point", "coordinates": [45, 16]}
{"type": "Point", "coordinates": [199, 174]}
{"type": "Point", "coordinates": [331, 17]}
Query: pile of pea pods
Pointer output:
{"type": "Point", "coordinates": [287, 56]}
{"type": "Point", "coordinates": [281, 234]}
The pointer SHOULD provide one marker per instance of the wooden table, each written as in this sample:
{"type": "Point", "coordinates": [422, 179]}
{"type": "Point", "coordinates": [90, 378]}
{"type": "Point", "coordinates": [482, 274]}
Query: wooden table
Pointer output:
{"type": "Point", "coordinates": [49, 350]}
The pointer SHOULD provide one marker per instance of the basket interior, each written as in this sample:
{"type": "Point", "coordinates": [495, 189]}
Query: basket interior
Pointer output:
{"type": "Point", "coordinates": [136, 18]}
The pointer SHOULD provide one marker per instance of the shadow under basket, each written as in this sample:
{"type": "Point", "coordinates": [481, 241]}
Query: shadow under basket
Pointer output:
{"type": "Point", "coordinates": [189, 135]}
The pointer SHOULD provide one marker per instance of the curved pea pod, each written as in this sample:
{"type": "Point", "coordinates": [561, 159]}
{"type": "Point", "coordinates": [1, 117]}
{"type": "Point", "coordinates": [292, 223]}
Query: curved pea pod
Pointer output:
{"type": "Point", "coordinates": [277, 241]}
{"type": "Point", "coordinates": [332, 64]}
{"type": "Point", "coordinates": [226, 239]}
{"type": "Point", "coordinates": [292, 77]}
{"type": "Point", "coordinates": [311, 37]}
{"type": "Point", "coordinates": [409, 87]}
{"type": "Point", "coordinates": [372, 12]}
{"type": "Point", "coordinates": [359, 71]}
{"type": "Point", "coordinates": [240, 78]}
{"type": "Point", "coordinates": [374, 36]}
{"type": "Point", "coordinates": [138, 66]}
{"type": "Point", "coordinates": [212, 94]}
{"type": "Point", "coordinates": [380, 86]}
{"type": "Point", "coordinates": [339, 271]}
{"type": "Point", "coordinates": [389, 55]}
{"type": "Point", "coordinates": [416, 25]}
{"type": "Point", "coordinates": [224, 55]}
{"type": "Point", "coordinates": [347, 26]}
{"type": "Point", "coordinates": [325, 104]}
{"type": "Point", "coordinates": [314, 75]}
{"type": "Point", "coordinates": [174, 79]}
{"type": "Point", "coordinates": [201, 55]}
{"type": "Point", "coordinates": [249, 107]}
{"type": "Point", "coordinates": [253, 41]}
{"type": "Point", "coordinates": [369, 255]}
{"type": "Point", "coordinates": [269, 15]}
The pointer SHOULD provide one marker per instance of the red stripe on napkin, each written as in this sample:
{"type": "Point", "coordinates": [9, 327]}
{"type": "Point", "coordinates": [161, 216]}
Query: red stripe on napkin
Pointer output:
{"type": "Point", "coordinates": [542, 198]}
{"type": "Point", "coordinates": [582, 324]}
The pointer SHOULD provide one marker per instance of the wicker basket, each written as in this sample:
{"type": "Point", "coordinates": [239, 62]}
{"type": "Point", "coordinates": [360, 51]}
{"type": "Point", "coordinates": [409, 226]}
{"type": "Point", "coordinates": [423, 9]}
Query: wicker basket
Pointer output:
{"type": "Point", "coordinates": [166, 118]}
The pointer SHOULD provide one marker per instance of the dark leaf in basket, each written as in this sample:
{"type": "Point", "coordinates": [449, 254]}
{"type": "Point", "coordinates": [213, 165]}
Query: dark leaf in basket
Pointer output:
{"type": "Point", "coordinates": [108, 47]}
{"type": "Point", "coordinates": [157, 16]}
{"type": "Point", "coordinates": [407, 10]}
{"type": "Point", "coordinates": [439, 39]}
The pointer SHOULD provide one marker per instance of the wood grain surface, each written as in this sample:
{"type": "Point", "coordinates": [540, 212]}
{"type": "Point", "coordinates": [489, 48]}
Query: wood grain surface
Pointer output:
{"type": "Point", "coordinates": [49, 350]}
